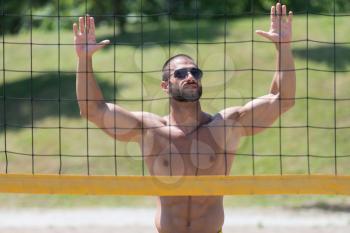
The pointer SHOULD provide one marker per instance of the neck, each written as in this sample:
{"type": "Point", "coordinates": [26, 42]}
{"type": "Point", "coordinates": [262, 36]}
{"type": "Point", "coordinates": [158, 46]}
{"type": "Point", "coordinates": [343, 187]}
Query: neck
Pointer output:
{"type": "Point", "coordinates": [185, 114]}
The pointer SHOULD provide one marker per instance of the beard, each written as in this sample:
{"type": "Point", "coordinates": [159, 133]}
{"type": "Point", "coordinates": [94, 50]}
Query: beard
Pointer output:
{"type": "Point", "coordinates": [184, 94]}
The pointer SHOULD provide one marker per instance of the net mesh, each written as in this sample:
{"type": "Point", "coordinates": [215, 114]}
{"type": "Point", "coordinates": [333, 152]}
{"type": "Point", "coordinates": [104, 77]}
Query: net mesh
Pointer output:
{"type": "Point", "coordinates": [41, 131]}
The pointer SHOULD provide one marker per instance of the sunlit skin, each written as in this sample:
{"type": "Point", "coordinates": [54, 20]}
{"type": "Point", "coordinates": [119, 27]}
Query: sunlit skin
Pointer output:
{"type": "Point", "coordinates": [188, 141]}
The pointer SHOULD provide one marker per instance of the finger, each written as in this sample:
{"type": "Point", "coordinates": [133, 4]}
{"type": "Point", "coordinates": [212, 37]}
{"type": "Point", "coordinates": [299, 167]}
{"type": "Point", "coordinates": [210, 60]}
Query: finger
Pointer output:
{"type": "Point", "coordinates": [101, 44]}
{"type": "Point", "coordinates": [92, 25]}
{"type": "Point", "coordinates": [273, 12]}
{"type": "Point", "coordinates": [75, 29]}
{"type": "Point", "coordinates": [284, 10]}
{"type": "Point", "coordinates": [81, 24]}
{"type": "Point", "coordinates": [278, 9]}
{"type": "Point", "coordinates": [87, 23]}
{"type": "Point", "coordinates": [290, 17]}
{"type": "Point", "coordinates": [263, 34]}
{"type": "Point", "coordinates": [104, 43]}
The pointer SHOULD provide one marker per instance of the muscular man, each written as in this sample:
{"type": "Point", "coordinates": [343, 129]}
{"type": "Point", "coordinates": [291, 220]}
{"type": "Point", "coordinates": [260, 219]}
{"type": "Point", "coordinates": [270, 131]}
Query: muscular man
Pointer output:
{"type": "Point", "coordinates": [188, 141]}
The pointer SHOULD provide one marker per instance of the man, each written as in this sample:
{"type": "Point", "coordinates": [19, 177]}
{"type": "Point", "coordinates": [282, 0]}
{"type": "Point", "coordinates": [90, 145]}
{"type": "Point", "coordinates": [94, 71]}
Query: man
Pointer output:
{"type": "Point", "coordinates": [188, 141]}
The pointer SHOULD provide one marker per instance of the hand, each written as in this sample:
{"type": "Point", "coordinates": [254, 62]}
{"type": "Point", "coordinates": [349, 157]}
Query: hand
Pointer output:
{"type": "Point", "coordinates": [281, 25]}
{"type": "Point", "coordinates": [85, 39]}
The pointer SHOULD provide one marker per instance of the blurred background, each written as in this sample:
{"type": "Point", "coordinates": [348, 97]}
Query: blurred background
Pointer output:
{"type": "Point", "coordinates": [41, 130]}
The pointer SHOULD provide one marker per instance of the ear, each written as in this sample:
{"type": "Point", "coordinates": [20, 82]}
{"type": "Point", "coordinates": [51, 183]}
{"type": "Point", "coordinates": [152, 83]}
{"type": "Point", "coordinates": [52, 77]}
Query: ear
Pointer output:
{"type": "Point", "coordinates": [165, 86]}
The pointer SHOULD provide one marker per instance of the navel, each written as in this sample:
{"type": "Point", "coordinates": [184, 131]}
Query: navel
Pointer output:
{"type": "Point", "coordinates": [212, 158]}
{"type": "Point", "coordinates": [165, 163]}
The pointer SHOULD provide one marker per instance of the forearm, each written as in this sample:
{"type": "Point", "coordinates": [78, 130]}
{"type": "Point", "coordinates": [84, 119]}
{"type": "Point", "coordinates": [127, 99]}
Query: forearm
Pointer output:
{"type": "Point", "coordinates": [89, 95]}
{"type": "Point", "coordinates": [93, 106]}
{"type": "Point", "coordinates": [284, 79]}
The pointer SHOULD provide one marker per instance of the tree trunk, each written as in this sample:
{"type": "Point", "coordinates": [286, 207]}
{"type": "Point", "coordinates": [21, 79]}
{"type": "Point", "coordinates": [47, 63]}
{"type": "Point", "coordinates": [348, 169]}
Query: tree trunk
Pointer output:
{"type": "Point", "coordinates": [121, 18]}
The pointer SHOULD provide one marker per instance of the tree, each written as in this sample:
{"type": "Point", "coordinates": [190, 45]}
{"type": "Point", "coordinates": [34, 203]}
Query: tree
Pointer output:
{"type": "Point", "coordinates": [16, 14]}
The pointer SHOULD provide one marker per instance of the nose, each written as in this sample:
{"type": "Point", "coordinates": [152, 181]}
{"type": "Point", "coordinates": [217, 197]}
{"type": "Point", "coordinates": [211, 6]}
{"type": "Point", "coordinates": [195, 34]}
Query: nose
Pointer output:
{"type": "Point", "coordinates": [190, 76]}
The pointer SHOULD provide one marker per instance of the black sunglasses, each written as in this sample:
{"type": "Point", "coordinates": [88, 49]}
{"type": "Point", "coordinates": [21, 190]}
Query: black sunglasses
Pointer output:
{"type": "Point", "coordinates": [183, 72]}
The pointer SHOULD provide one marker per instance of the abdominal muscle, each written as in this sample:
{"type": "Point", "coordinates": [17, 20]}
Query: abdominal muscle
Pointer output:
{"type": "Point", "coordinates": [189, 214]}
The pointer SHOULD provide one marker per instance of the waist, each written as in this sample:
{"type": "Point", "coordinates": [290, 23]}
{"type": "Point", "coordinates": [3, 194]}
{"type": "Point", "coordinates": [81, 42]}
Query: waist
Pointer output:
{"type": "Point", "coordinates": [170, 202]}
{"type": "Point", "coordinates": [204, 218]}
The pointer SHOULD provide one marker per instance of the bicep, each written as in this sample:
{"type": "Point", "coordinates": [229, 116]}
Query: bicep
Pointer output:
{"type": "Point", "coordinates": [125, 125]}
{"type": "Point", "coordinates": [118, 122]}
{"type": "Point", "coordinates": [259, 114]}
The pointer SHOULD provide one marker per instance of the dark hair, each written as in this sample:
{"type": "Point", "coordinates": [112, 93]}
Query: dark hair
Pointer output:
{"type": "Point", "coordinates": [165, 69]}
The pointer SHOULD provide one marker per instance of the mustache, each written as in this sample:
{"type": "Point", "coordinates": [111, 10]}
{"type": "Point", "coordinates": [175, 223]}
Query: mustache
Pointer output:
{"type": "Point", "coordinates": [191, 82]}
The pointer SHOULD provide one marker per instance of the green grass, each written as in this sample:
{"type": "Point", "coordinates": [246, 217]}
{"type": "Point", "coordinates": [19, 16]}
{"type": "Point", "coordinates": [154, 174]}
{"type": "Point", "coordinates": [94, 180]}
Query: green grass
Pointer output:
{"type": "Point", "coordinates": [48, 84]}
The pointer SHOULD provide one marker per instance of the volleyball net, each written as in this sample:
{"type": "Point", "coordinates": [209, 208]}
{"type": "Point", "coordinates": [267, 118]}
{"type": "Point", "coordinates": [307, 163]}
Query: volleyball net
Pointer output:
{"type": "Point", "coordinates": [46, 147]}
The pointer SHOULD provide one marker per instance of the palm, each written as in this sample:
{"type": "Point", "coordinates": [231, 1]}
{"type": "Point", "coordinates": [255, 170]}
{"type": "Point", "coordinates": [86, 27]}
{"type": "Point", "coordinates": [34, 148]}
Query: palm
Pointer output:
{"type": "Point", "coordinates": [85, 38]}
{"type": "Point", "coordinates": [280, 30]}
{"type": "Point", "coordinates": [281, 25]}
{"type": "Point", "coordinates": [85, 43]}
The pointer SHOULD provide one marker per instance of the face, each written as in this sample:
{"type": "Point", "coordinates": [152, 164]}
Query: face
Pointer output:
{"type": "Point", "coordinates": [185, 80]}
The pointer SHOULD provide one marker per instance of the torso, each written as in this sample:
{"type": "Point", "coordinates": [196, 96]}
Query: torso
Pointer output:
{"type": "Point", "coordinates": [207, 150]}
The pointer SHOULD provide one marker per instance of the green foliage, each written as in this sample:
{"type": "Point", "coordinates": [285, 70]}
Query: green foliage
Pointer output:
{"type": "Point", "coordinates": [17, 13]}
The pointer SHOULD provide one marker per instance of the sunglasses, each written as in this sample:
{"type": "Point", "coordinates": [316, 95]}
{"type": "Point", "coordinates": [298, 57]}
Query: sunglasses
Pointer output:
{"type": "Point", "coordinates": [183, 72]}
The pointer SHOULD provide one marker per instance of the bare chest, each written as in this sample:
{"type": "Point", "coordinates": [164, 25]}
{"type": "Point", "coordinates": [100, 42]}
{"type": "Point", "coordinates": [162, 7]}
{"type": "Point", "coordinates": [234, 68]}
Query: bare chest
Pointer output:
{"type": "Point", "coordinates": [202, 152]}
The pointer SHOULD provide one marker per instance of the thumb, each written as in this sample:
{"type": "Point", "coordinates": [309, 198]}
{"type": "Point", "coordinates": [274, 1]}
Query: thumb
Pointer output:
{"type": "Point", "coordinates": [103, 44]}
{"type": "Point", "coordinates": [100, 45]}
{"type": "Point", "coordinates": [263, 34]}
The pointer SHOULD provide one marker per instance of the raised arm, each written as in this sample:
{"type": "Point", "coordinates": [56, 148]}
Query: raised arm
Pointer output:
{"type": "Point", "coordinates": [114, 120]}
{"type": "Point", "coordinates": [261, 113]}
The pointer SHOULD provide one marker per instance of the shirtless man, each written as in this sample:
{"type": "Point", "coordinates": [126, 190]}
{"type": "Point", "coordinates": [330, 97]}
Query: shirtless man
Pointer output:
{"type": "Point", "coordinates": [188, 141]}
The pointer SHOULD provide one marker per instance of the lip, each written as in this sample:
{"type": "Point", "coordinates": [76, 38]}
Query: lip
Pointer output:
{"type": "Point", "coordinates": [191, 85]}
